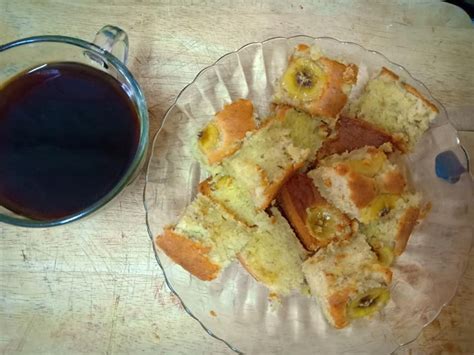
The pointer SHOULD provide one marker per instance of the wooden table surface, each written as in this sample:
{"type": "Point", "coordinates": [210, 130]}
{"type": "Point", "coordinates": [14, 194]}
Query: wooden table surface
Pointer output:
{"type": "Point", "coordinates": [93, 286]}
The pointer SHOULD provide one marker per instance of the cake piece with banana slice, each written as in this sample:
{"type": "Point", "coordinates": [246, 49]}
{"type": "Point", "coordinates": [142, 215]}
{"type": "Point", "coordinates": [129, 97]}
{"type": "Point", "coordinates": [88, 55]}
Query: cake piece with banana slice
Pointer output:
{"type": "Point", "coordinates": [206, 239]}
{"type": "Point", "coordinates": [315, 83]}
{"type": "Point", "coordinates": [272, 153]}
{"type": "Point", "coordinates": [223, 135]}
{"type": "Point", "coordinates": [273, 255]}
{"type": "Point", "coordinates": [389, 234]}
{"type": "Point", "coordinates": [348, 281]}
{"type": "Point", "coordinates": [316, 222]}
{"type": "Point", "coordinates": [396, 107]}
{"type": "Point", "coordinates": [363, 183]}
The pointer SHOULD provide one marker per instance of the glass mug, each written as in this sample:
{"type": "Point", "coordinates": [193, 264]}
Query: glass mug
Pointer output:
{"type": "Point", "coordinates": [108, 53]}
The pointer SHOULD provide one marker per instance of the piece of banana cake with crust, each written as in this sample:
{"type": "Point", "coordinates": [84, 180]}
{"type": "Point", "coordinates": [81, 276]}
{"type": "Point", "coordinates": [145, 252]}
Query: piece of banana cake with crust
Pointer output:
{"type": "Point", "coordinates": [266, 159]}
{"type": "Point", "coordinates": [273, 254]}
{"type": "Point", "coordinates": [315, 220]}
{"type": "Point", "coordinates": [396, 107]}
{"type": "Point", "coordinates": [360, 183]}
{"type": "Point", "coordinates": [388, 235]}
{"type": "Point", "coordinates": [223, 135]}
{"type": "Point", "coordinates": [206, 239]}
{"type": "Point", "coordinates": [348, 281]}
{"type": "Point", "coordinates": [272, 153]}
{"type": "Point", "coordinates": [315, 83]}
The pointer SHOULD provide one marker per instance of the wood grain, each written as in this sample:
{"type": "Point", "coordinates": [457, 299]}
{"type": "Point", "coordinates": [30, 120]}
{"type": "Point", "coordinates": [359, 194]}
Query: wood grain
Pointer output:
{"type": "Point", "coordinates": [94, 286]}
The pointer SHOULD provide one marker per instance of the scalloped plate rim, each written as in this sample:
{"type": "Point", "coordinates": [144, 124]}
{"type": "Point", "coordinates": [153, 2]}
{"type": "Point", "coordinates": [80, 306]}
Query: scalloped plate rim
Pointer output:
{"type": "Point", "coordinates": [198, 75]}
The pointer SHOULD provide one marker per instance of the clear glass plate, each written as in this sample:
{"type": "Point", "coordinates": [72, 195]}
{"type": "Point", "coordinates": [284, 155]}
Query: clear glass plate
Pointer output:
{"type": "Point", "coordinates": [235, 308]}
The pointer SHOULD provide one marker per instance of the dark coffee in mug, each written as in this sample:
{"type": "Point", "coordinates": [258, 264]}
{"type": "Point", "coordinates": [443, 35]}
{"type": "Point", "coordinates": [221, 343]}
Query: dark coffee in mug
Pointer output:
{"type": "Point", "coordinates": [68, 133]}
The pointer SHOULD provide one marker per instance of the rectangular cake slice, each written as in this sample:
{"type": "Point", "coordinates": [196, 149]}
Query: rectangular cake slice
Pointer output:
{"type": "Point", "coordinates": [205, 240]}
{"type": "Point", "coordinates": [315, 83]}
{"type": "Point", "coordinates": [223, 135]}
{"type": "Point", "coordinates": [389, 234]}
{"type": "Point", "coordinates": [348, 281]}
{"type": "Point", "coordinates": [316, 222]}
{"type": "Point", "coordinates": [396, 107]}
{"type": "Point", "coordinates": [362, 183]}
{"type": "Point", "coordinates": [224, 190]}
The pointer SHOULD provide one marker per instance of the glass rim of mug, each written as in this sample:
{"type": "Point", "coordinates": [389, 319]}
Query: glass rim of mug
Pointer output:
{"type": "Point", "coordinates": [142, 111]}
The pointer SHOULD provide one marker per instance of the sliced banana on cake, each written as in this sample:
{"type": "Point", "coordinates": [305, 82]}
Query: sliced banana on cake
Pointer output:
{"type": "Point", "coordinates": [315, 83]}
{"type": "Point", "coordinates": [316, 222]}
{"type": "Point", "coordinates": [384, 252]}
{"type": "Point", "coordinates": [348, 280]}
{"type": "Point", "coordinates": [208, 139]}
{"type": "Point", "coordinates": [304, 80]}
{"type": "Point", "coordinates": [368, 302]}
{"type": "Point", "coordinates": [379, 207]}
{"type": "Point", "coordinates": [322, 221]}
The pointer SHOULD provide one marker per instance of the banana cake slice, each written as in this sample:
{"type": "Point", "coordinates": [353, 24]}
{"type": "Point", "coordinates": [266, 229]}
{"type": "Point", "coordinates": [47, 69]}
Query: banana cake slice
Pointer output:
{"type": "Point", "coordinates": [273, 254]}
{"type": "Point", "coordinates": [315, 220]}
{"type": "Point", "coordinates": [224, 190]}
{"type": "Point", "coordinates": [396, 107]}
{"type": "Point", "coordinates": [348, 281]}
{"type": "Point", "coordinates": [306, 132]}
{"type": "Point", "coordinates": [270, 155]}
{"type": "Point", "coordinates": [223, 135]}
{"type": "Point", "coordinates": [389, 234]}
{"type": "Point", "coordinates": [314, 83]}
{"type": "Point", "coordinates": [362, 183]}
{"type": "Point", "coordinates": [206, 239]}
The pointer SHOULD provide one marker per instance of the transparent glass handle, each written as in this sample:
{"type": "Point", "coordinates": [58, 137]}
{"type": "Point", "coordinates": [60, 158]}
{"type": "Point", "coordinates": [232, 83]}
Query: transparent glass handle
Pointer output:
{"type": "Point", "coordinates": [113, 40]}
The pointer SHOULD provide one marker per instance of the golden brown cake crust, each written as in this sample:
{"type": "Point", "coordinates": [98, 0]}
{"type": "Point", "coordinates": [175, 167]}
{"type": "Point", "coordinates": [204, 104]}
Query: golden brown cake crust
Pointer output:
{"type": "Point", "coordinates": [350, 74]}
{"type": "Point", "coordinates": [281, 110]}
{"type": "Point", "coordinates": [405, 227]}
{"type": "Point", "coordinates": [272, 190]}
{"type": "Point", "coordinates": [337, 308]}
{"type": "Point", "coordinates": [204, 187]}
{"type": "Point", "coordinates": [247, 267]}
{"type": "Point", "coordinates": [415, 92]}
{"type": "Point", "coordinates": [333, 98]}
{"type": "Point", "coordinates": [351, 134]}
{"type": "Point", "coordinates": [363, 189]}
{"type": "Point", "coordinates": [233, 122]}
{"type": "Point", "coordinates": [386, 71]}
{"type": "Point", "coordinates": [295, 197]}
{"type": "Point", "coordinates": [190, 255]}
{"type": "Point", "coordinates": [393, 182]}
{"type": "Point", "coordinates": [302, 47]}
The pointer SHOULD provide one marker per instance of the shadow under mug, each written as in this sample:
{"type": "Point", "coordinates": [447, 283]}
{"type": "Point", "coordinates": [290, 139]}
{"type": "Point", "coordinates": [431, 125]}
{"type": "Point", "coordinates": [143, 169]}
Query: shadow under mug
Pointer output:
{"type": "Point", "coordinates": [107, 53]}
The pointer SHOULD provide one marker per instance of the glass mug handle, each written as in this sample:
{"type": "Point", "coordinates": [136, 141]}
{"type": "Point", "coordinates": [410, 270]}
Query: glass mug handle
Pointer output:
{"type": "Point", "coordinates": [113, 40]}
